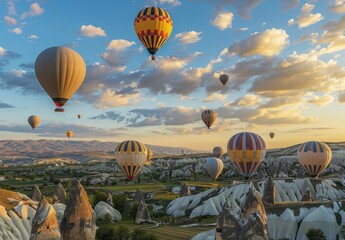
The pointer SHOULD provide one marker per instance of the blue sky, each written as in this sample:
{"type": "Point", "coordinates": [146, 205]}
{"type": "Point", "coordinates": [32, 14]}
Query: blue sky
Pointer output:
{"type": "Point", "coordinates": [284, 59]}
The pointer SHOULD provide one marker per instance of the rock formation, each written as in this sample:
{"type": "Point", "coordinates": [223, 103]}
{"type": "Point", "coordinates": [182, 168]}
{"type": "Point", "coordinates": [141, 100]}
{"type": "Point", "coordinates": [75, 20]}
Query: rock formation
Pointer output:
{"type": "Point", "coordinates": [255, 228]}
{"type": "Point", "coordinates": [253, 204]}
{"type": "Point", "coordinates": [143, 214]}
{"type": "Point", "coordinates": [269, 195]}
{"type": "Point", "coordinates": [45, 224]}
{"type": "Point", "coordinates": [36, 195]}
{"type": "Point", "coordinates": [110, 199]}
{"type": "Point", "coordinates": [138, 196]}
{"type": "Point", "coordinates": [59, 195]}
{"type": "Point", "coordinates": [307, 197]}
{"type": "Point", "coordinates": [185, 190]}
{"type": "Point", "coordinates": [228, 224]}
{"type": "Point", "coordinates": [103, 210]}
{"type": "Point", "coordinates": [79, 221]}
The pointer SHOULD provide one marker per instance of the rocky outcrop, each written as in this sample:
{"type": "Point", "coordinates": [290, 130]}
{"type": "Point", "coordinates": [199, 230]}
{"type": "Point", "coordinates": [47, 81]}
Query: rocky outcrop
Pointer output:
{"type": "Point", "coordinates": [110, 199]}
{"type": "Point", "coordinates": [269, 195]}
{"type": "Point", "coordinates": [36, 195]}
{"type": "Point", "coordinates": [143, 214]}
{"type": "Point", "coordinates": [59, 195]}
{"type": "Point", "coordinates": [255, 228]}
{"type": "Point", "coordinates": [138, 196]}
{"type": "Point", "coordinates": [253, 204]}
{"type": "Point", "coordinates": [79, 221]}
{"type": "Point", "coordinates": [307, 197]}
{"type": "Point", "coordinates": [185, 190]}
{"type": "Point", "coordinates": [228, 224]}
{"type": "Point", "coordinates": [45, 224]}
{"type": "Point", "coordinates": [103, 211]}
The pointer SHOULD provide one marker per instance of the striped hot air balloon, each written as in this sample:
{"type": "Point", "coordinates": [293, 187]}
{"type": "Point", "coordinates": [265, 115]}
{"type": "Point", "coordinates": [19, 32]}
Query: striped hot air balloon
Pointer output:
{"type": "Point", "coordinates": [246, 150]}
{"type": "Point", "coordinates": [208, 117]}
{"type": "Point", "coordinates": [314, 157]}
{"type": "Point", "coordinates": [153, 26]}
{"type": "Point", "coordinates": [131, 156]}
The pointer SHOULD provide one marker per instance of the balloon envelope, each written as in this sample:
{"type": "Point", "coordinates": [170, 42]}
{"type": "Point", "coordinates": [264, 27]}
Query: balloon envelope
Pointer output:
{"type": "Point", "coordinates": [60, 71]}
{"type": "Point", "coordinates": [131, 156]}
{"type": "Point", "coordinates": [149, 154]}
{"type": "Point", "coordinates": [208, 117]}
{"type": "Point", "coordinates": [271, 135]}
{"type": "Point", "coordinates": [34, 121]}
{"type": "Point", "coordinates": [218, 152]}
{"type": "Point", "coordinates": [69, 134]}
{"type": "Point", "coordinates": [153, 26]}
{"type": "Point", "coordinates": [214, 167]}
{"type": "Point", "coordinates": [314, 157]}
{"type": "Point", "coordinates": [79, 116]}
{"type": "Point", "coordinates": [224, 78]}
{"type": "Point", "coordinates": [246, 150]}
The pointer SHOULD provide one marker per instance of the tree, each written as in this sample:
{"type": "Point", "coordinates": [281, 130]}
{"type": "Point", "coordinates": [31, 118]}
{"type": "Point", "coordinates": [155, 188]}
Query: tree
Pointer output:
{"type": "Point", "coordinates": [342, 231]}
{"type": "Point", "coordinates": [141, 234]}
{"type": "Point", "coordinates": [106, 232]}
{"type": "Point", "coordinates": [315, 234]}
{"type": "Point", "coordinates": [120, 202]}
{"type": "Point", "coordinates": [133, 210]}
{"type": "Point", "coordinates": [69, 183]}
{"type": "Point", "coordinates": [121, 233]}
{"type": "Point", "coordinates": [100, 196]}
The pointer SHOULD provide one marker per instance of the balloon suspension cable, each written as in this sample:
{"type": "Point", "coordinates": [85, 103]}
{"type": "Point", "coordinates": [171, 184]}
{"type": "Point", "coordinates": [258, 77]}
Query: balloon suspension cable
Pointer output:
{"type": "Point", "coordinates": [59, 110]}
{"type": "Point", "coordinates": [153, 57]}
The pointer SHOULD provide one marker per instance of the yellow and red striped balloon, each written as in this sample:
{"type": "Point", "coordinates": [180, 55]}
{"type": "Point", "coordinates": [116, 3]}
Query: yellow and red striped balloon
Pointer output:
{"type": "Point", "coordinates": [246, 150]}
{"type": "Point", "coordinates": [131, 156]}
{"type": "Point", "coordinates": [314, 157]}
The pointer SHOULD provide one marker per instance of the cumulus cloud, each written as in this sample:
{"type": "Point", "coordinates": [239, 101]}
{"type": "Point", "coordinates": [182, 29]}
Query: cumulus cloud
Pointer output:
{"type": "Point", "coordinates": [311, 37]}
{"type": "Point", "coordinates": [10, 21]}
{"type": "Point", "coordinates": [92, 31]}
{"type": "Point", "coordinates": [223, 20]}
{"type": "Point", "coordinates": [306, 18]}
{"type": "Point", "coordinates": [16, 31]}
{"type": "Point", "coordinates": [20, 80]}
{"type": "Point", "coordinates": [111, 115]}
{"type": "Point", "coordinates": [216, 97]}
{"type": "Point", "coordinates": [341, 97]}
{"type": "Point", "coordinates": [6, 56]}
{"type": "Point", "coordinates": [33, 36]}
{"type": "Point", "coordinates": [35, 10]}
{"type": "Point", "coordinates": [170, 2]}
{"type": "Point", "coordinates": [5, 105]}
{"type": "Point", "coordinates": [268, 43]}
{"type": "Point", "coordinates": [188, 37]}
{"type": "Point", "coordinates": [117, 53]}
{"type": "Point", "coordinates": [2, 51]}
{"type": "Point", "coordinates": [248, 100]}
{"type": "Point", "coordinates": [321, 101]}
{"type": "Point", "coordinates": [337, 6]}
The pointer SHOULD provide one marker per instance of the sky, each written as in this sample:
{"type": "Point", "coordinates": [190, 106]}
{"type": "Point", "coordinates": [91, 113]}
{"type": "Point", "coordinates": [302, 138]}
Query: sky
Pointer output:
{"type": "Point", "coordinates": [285, 61]}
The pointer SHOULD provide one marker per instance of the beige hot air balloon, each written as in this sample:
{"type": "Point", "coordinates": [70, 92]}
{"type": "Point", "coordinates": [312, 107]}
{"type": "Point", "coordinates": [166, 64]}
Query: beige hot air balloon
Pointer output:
{"type": "Point", "coordinates": [214, 167]}
{"type": "Point", "coordinates": [314, 157]}
{"type": "Point", "coordinates": [69, 134]}
{"type": "Point", "coordinates": [131, 156]}
{"type": "Point", "coordinates": [60, 71]}
{"type": "Point", "coordinates": [34, 121]}
{"type": "Point", "coordinates": [218, 152]}
{"type": "Point", "coordinates": [208, 117]}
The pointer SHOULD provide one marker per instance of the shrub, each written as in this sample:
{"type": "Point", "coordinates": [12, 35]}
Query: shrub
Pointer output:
{"type": "Point", "coordinates": [342, 231]}
{"type": "Point", "coordinates": [100, 196]}
{"type": "Point", "coordinates": [120, 202]}
{"type": "Point", "coordinates": [315, 234]}
{"type": "Point", "coordinates": [105, 233]}
{"type": "Point", "coordinates": [141, 234]}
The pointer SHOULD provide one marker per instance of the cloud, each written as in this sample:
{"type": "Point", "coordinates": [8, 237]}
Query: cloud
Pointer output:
{"type": "Point", "coordinates": [59, 130]}
{"type": "Point", "coordinates": [11, 8]}
{"type": "Point", "coordinates": [243, 7]}
{"type": "Point", "coordinates": [311, 37]}
{"type": "Point", "coordinates": [111, 115]}
{"type": "Point", "coordinates": [7, 56]}
{"type": "Point", "coordinates": [27, 65]}
{"type": "Point", "coordinates": [10, 21]}
{"type": "Point", "coordinates": [248, 100]}
{"type": "Point", "coordinates": [117, 53]}
{"type": "Point", "coordinates": [289, 4]}
{"type": "Point", "coordinates": [338, 6]}
{"type": "Point", "coordinates": [306, 18]}
{"type": "Point", "coordinates": [184, 98]}
{"type": "Point", "coordinates": [92, 31]}
{"type": "Point", "coordinates": [223, 20]}
{"type": "Point", "coordinates": [301, 130]}
{"type": "Point", "coordinates": [5, 105]}
{"type": "Point", "coordinates": [268, 43]}
{"type": "Point", "coordinates": [170, 2]}
{"type": "Point", "coordinates": [216, 97]}
{"type": "Point", "coordinates": [16, 31]}
{"type": "Point", "coordinates": [33, 36]}
{"type": "Point", "coordinates": [35, 10]}
{"type": "Point", "coordinates": [341, 97]}
{"type": "Point", "coordinates": [188, 37]}
{"type": "Point", "coordinates": [2, 51]}
{"type": "Point", "coordinates": [321, 101]}
{"type": "Point", "coordinates": [244, 29]}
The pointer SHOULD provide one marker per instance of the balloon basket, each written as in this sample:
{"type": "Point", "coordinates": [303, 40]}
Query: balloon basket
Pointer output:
{"type": "Point", "coordinates": [153, 57]}
{"type": "Point", "coordinates": [59, 110]}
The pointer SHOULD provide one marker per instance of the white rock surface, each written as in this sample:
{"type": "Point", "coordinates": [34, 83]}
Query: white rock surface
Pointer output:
{"type": "Point", "coordinates": [102, 209]}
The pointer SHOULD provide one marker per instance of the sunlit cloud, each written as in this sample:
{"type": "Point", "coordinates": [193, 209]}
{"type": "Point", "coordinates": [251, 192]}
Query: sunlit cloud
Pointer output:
{"type": "Point", "coordinates": [35, 10]}
{"type": "Point", "coordinates": [306, 18]}
{"type": "Point", "coordinates": [188, 37]}
{"type": "Point", "coordinates": [92, 31]}
{"type": "Point", "coordinates": [10, 21]}
{"type": "Point", "coordinates": [17, 31]}
{"type": "Point", "coordinates": [223, 20]}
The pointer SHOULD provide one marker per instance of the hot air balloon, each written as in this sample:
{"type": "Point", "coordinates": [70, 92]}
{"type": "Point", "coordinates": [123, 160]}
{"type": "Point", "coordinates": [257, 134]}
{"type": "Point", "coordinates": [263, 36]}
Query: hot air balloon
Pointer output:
{"type": "Point", "coordinates": [314, 157]}
{"type": "Point", "coordinates": [69, 134]}
{"type": "Point", "coordinates": [153, 26]}
{"type": "Point", "coordinates": [271, 135]}
{"type": "Point", "coordinates": [208, 117]}
{"type": "Point", "coordinates": [79, 116]}
{"type": "Point", "coordinates": [34, 121]}
{"type": "Point", "coordinates": [131, 156]}
{"type": "Point", "coordinates": [60, 71]}
{"type": "Point", "coordinates": [218, 152]}
{"type": "Point", "coordinates": [224, 78]}
{"type": "Point", "coordinates": [214, 167]}
{"type": "Point", "coordinates": [149, 154]}
{"type": "Point", "coordinates": [246, 150]}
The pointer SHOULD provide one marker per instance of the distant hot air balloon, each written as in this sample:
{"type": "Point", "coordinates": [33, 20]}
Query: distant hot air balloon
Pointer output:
{"type": "Point", "coordinates": [218, 152]}
{"type": "Point", "coordinates": [69, 134]}
{"type": "Point", "coordinates": [314, 157]}
{"type": "Point", "coordinates": [208, 117]}
{"type": "Point", "coordinates": [271, 135]}
{"type": "Point", "coordinates": [224, 78]}
{"type": "Point", "coordinates": [246, 150]}
{"type": "Point", "coordinates": [79, 116]}
{"type": "Point", "coordinates": [214, 167]}
{"type": "Point", "coordinates": [60, 71]}
{"type": "Point", "coordinates": [131, 156]}
{"type": "Point", "coordinates": [149, 155]}
{"type": "Point", "coordinates": [34, 121]}
{"type": "Point", "coordinates": [153, 26]}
